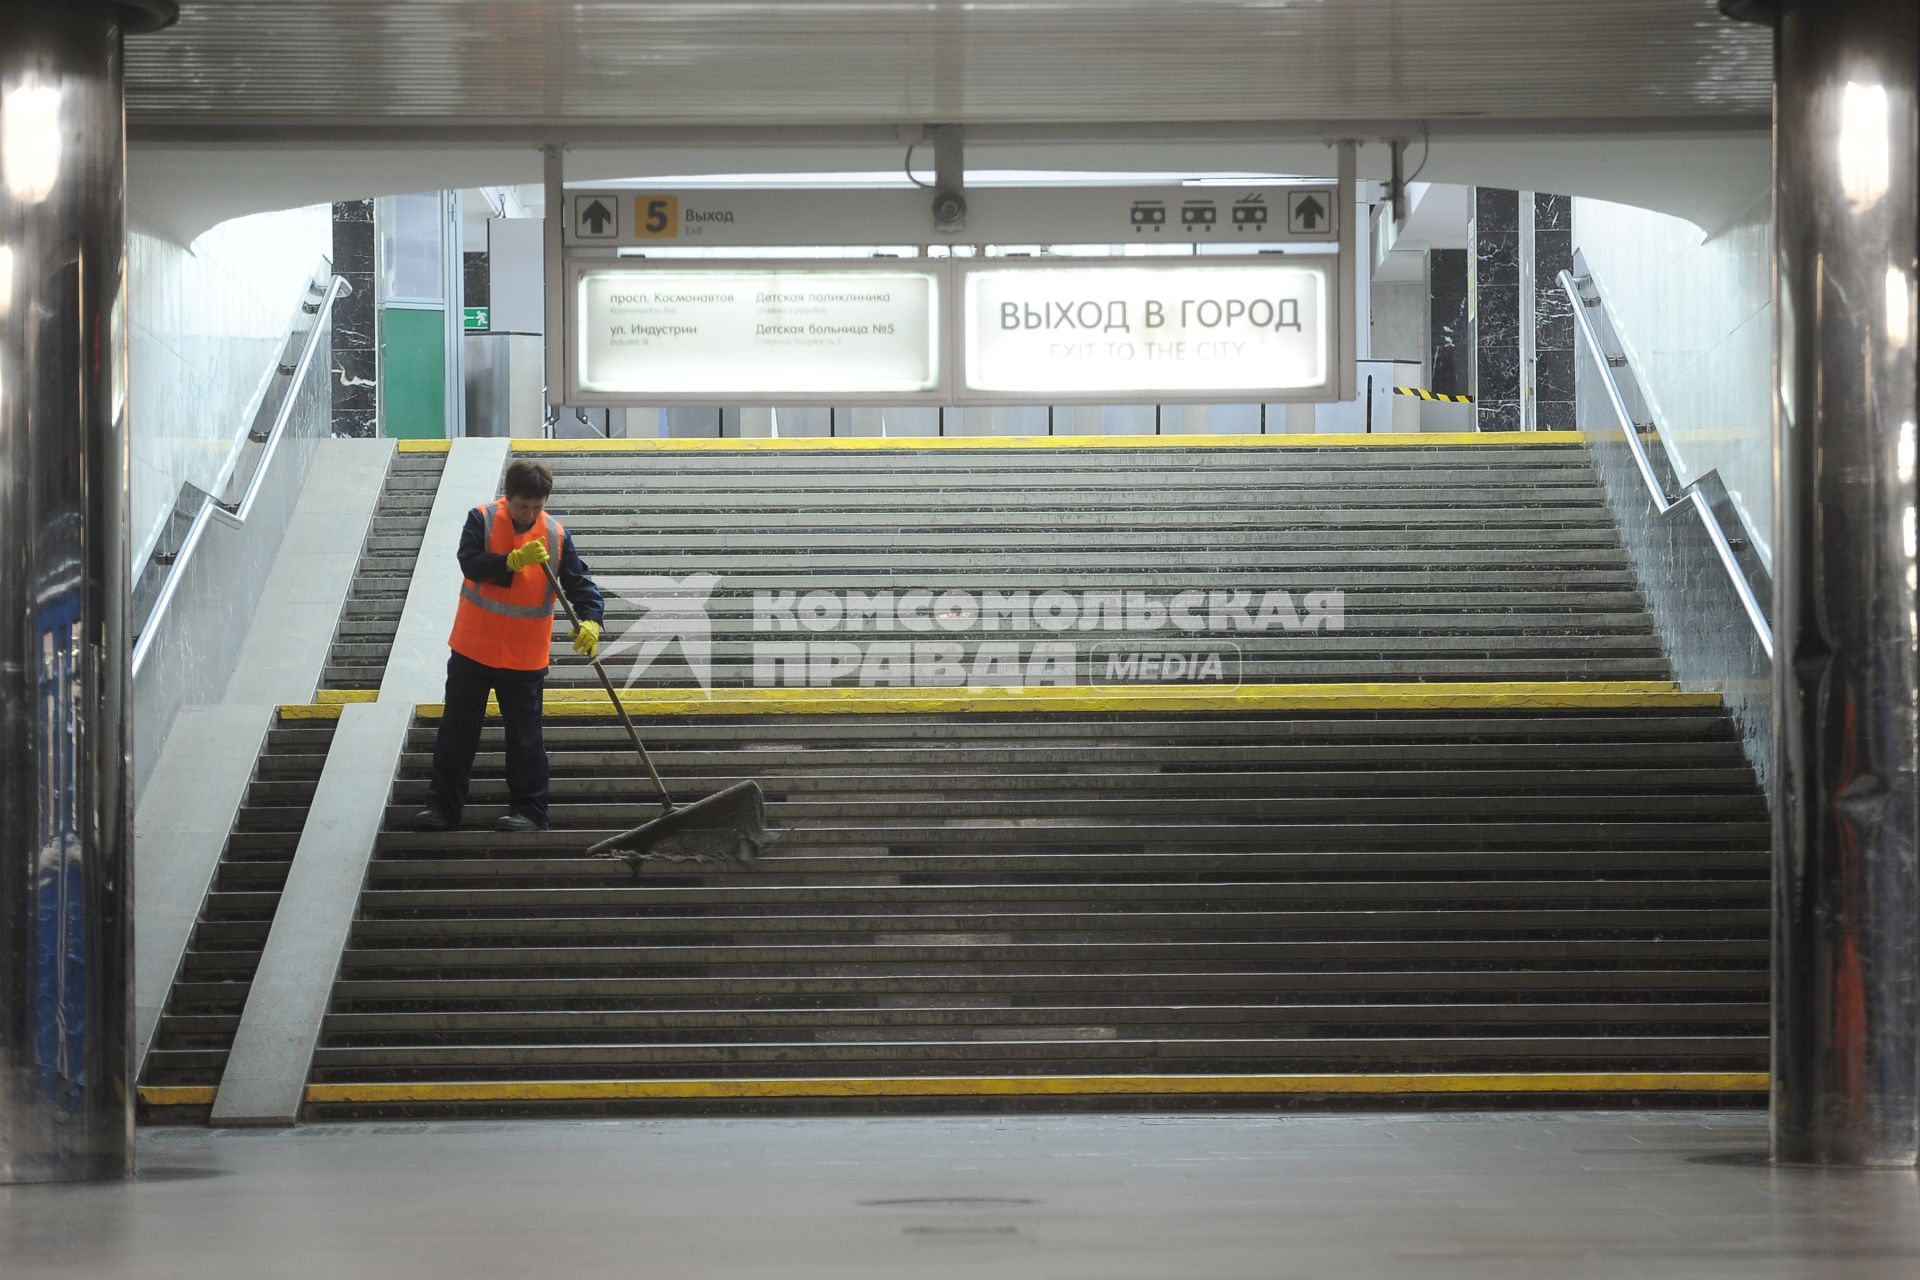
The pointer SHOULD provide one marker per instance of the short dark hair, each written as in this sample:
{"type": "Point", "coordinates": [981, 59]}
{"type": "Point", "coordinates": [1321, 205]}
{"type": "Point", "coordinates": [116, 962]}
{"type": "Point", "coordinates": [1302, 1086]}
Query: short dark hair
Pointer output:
{"type": "Point", "coordinates": [527, 479]}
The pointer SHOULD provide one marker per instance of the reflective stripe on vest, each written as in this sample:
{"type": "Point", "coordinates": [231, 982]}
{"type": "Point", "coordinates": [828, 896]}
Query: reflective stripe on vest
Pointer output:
{"type": "Point", "coordinates": [509, 627]}
{"type": "Point", "coordinates": [471, 594]}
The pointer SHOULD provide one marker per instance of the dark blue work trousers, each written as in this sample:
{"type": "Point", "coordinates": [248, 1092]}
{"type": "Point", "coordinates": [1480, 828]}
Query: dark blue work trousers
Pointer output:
{"type": "Point", "coordinates": [468, 684]}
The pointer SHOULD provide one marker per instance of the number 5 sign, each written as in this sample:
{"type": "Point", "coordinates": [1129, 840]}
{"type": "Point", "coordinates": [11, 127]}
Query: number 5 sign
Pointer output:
{"type": "Point", "coordinates": [656, 217]}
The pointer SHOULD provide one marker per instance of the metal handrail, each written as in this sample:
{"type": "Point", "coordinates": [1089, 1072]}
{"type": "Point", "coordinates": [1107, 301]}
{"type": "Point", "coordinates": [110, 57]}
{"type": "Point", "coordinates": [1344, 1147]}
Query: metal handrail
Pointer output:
{"type": "Point", "coordinates": [1656, 490]}
{"type": "Point", "coordinates": [211, 508]}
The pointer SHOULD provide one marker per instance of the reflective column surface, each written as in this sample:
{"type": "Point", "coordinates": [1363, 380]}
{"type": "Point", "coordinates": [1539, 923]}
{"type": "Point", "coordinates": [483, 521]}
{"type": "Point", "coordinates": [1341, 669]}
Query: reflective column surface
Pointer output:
{"type": "Point", "coordinates": [65, 1093]}
{"type": "Point", "coordinates": [1847, 869]}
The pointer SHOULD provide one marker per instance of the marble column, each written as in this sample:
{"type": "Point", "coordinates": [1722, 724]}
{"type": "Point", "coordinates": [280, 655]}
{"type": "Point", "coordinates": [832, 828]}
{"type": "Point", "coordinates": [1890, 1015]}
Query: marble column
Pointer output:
{"type": "Point", "coordinates": [1449, 329]}
{"type": "Point", "coordinates": [66, 844]}
{"type": "Point", "coordinates": [356, 358]}
{"type": "Point", "coordinates": [1846, 875]}
{"type": "Point", "coordinates": [1552, 388]}
{"type": "Point", "coordinates": [1493, 246]}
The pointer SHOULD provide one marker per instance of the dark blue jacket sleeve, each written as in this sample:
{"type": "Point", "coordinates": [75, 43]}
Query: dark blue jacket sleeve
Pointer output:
{"type": "Point", "coordinates": [579, 586]}
{"type": "Point", "coordinates": [477, 564]}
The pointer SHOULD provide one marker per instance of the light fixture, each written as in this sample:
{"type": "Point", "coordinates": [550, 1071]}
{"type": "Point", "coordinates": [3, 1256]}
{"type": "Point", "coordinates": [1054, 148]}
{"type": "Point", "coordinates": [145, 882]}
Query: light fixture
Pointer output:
{"type": "Point", "coordinates": [30, 140]}
{"type": "Point", "coordinates": [1866, 153]}
{"type": "Point", "coordinates": [1899, 308]}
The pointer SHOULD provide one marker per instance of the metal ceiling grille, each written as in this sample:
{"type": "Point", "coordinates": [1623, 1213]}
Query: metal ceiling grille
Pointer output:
{"type": "Point", "coordinates": [428, 63]}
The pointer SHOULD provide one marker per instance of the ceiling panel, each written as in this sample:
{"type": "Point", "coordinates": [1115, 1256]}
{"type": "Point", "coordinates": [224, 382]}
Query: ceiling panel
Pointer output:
{"type": "Point", "coordinates": [349, 65]}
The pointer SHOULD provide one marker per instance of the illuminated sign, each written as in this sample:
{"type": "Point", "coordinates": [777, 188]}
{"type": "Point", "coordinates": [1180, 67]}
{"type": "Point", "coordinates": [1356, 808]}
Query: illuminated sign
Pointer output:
{"type": "Point", "coordinates": [1243, 330]}
{"type": "Point", "coordinates": [655, 333]}
{"type": "Point", "coordinates": [766, 217]}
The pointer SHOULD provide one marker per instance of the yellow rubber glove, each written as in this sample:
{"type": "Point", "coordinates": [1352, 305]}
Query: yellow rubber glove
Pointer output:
{"type": "Point", "coordinates": [534, 552]}
{"type": "Point", "coordinates": [586, 639]}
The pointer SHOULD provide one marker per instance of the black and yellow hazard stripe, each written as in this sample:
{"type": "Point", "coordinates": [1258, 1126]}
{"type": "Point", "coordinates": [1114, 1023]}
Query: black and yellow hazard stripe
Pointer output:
{"type": "Point", "coordinates": [1425, 394]}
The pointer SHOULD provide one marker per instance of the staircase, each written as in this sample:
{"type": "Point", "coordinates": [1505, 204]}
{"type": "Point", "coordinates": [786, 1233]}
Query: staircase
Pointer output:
{"type": "Point", "coordinates": [1252, 891]}
{"type": "Point", "coordinates": [364, 637]}
{"type": "Point", "coordinates": [196, 1032]}
{"type": "Point", "coordinates": [1468, 836]}
{"type": "Point", "coordinates": [1061, 896]}
{"type": "Point", "coordinates": [1489, 562]}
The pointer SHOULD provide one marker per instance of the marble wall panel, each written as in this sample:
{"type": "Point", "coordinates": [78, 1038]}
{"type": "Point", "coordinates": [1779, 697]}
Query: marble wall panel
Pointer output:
{"type": "Point", "coordinates": [355, 322]}
{"type": "Point", "coordinates": [1493, 247]}
{"type": "Point", "coordinates": [1498, 324]}
{"type": "Point", "coordinates": [1553, 331]}
{"type": "Point", "coordinates": [1496, 258]}
{"type": "Point", "coordinates": [1496, 211]}
{"type": "Point", "coordinates": [476, 278]}
{"type": "Point", "coordinates": [1449, 332]}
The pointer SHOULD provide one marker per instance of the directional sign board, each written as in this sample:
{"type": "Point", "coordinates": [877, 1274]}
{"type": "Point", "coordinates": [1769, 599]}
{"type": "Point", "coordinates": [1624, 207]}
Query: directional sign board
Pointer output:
{"type": "Point", "coordinates": [596, 218]}
{"type": "Point", "coordinates": [1309, 213]}
{"type": "Point", "coordinates": [1252, 215]}
{"type": "Point", "coordinates": [755, 333]}
{"type": "Point", "coordinates": [1169, 330]}
{"type": "Point", "coordinates": [638, 325]}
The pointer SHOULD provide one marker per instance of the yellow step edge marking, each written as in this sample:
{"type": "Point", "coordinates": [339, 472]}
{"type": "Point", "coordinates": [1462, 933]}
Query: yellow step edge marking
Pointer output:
{"type": "Point", "coordinates": [1386, 1085]}
{"type": "Point", "coordinates": [1045, 1087]}
{"type": "Point", "coordinates": [1509, 695]}
{"type": "Point", "coordinates": [1544, 695]}
{"type": "Point", "coordinates": [858, 444]}
{"type": "Point", "coordinates": [309, 710]}
{"type": "Point", "coordinates": [1520, 695]}
{"type": "Point", "coordinates": [422, 446]}
{"type": "Point", "coordinates": [325, 696]}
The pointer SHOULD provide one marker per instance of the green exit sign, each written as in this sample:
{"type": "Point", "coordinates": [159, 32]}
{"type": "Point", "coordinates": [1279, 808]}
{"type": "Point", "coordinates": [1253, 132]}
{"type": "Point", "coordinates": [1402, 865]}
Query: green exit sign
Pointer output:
{"type": "Point", "coordinates": [478, 318]}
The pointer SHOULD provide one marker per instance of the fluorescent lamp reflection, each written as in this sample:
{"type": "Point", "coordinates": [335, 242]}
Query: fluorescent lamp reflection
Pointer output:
{"type": "Point", "coordinates": [30, 141]}
{"type": "Point", "coordinates": [1866, 155]}
{"type": "Point", "coordinates": [1899, 308]}
{"type": "Point", "coordinates": [1903, 457]}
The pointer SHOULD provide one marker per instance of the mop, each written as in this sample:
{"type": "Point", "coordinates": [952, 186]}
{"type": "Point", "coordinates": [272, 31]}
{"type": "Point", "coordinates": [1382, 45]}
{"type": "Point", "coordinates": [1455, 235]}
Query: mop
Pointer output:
{"type": "Point", "coordinates": [727, 827]}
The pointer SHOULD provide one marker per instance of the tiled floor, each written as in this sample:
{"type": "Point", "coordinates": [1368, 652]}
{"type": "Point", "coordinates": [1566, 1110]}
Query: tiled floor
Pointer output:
{"type": "Point", "coordinates": [1079, 1198]}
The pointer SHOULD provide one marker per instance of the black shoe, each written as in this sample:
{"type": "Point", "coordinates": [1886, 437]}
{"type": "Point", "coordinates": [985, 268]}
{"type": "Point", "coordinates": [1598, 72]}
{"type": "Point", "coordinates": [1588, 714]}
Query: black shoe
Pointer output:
{"type": "Point", "coordinates": [518, 822]}
{"type": "Point", "coordinates": [433, 819]}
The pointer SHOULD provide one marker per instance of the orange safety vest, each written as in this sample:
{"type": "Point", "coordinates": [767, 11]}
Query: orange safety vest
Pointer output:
{"type": "Point", "coordinates": [510, 627]}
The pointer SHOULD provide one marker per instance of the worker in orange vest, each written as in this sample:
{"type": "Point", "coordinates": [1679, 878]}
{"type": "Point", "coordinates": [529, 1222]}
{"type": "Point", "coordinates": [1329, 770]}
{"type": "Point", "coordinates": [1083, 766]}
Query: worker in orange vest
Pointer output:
{"type": "Point", "coordinates": [501, 637]}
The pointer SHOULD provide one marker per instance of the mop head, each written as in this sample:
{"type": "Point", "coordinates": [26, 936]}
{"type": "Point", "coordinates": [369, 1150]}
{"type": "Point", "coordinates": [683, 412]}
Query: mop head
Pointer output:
{"type": "Point", "coordinates": [726, 828]}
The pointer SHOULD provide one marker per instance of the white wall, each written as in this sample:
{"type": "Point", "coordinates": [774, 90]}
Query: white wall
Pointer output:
{"type": "Point", "coordinates": [1400, 323]}
{"type": "Point", "coordinates": [1696, 316]}
{"type": "Point", "coordinates": [207, 322]}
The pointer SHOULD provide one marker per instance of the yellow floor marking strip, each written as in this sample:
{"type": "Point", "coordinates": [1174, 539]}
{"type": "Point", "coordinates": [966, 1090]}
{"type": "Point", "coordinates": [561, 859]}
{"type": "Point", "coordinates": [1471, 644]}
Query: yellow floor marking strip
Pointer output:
{"type": "Point", "coordinates": [346, 695]}
{"type": "Point", "coordinates": [1522, 695]}
{"type": "Point", "coordinates": [1512, 695]}
{"type": "Point", "coordinates": [423, 446]}
{"type": "Point", "coordinates": [858, 444]}
{"type": "Point", "coordinates": [1046, 1087]}
{"type": "Point", "coordinates": [177, 1095]}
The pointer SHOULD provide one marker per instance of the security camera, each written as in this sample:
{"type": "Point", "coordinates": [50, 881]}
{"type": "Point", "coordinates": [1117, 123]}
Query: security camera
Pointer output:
{"type": "Point", "coordinates": [949, 211]}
